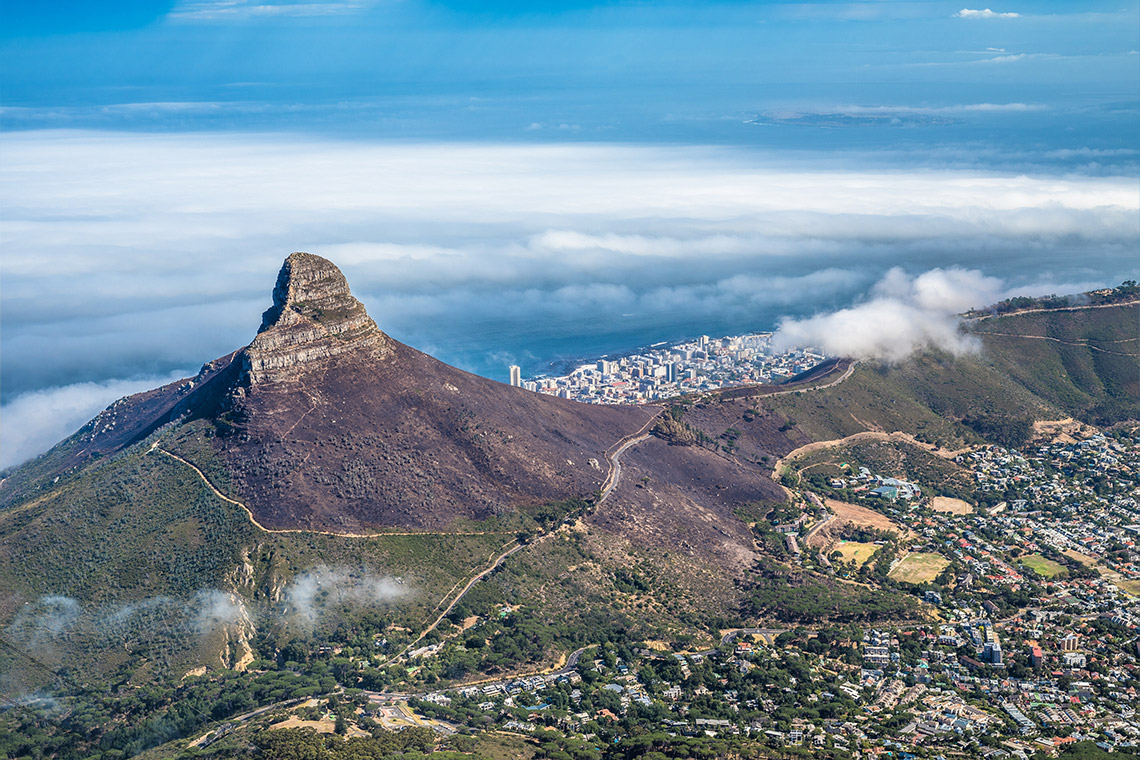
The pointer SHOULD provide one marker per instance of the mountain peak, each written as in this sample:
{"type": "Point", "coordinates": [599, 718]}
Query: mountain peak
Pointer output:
{"type": "Point", "coordinates": [314, 317]}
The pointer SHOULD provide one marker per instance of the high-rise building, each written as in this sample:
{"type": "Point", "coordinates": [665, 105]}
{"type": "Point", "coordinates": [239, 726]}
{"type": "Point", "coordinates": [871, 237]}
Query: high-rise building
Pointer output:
{"type": "Point", "coordinates": [516, 375]}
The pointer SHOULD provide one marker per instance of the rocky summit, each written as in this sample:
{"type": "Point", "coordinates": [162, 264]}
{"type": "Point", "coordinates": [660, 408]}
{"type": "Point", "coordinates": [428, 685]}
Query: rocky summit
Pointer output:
{"type": "Point", "coordinates": [314, 318]}
{"type": "Point", "coordinates": [330, 424]}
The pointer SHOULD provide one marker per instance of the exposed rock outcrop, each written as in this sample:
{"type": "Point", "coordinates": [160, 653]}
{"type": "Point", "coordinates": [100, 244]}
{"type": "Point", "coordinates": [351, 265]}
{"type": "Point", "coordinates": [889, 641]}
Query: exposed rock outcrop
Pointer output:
{"type": "Point", "coordinates": [314, 318]}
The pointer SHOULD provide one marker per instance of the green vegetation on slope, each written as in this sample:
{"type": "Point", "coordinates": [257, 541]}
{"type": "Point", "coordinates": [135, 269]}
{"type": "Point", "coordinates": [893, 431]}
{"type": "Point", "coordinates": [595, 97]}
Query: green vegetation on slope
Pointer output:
{"type": "Point", "coordinates": [1089, 368]}
{"type": "Point", "coordinates": [1083, 362]}
{"type": "Point", "coordinates": [895, 459]}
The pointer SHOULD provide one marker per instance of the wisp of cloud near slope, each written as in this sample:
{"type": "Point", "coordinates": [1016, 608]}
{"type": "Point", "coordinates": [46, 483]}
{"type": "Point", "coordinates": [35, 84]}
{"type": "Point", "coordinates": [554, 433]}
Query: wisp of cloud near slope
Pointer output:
{"type": "Point", "coordinates": [904, 314]}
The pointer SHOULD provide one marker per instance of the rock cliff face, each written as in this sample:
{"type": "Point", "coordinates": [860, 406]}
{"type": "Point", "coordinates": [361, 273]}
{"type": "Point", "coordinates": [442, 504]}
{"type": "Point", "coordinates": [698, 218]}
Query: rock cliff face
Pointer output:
{"type": "Point", "coordinates": [314, 318]}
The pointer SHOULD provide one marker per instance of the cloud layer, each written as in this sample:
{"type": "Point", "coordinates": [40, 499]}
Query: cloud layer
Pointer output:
{"type": "Point", "coordinates": [134, 255]}
{"type": "Point", "coordinates": [985, 13]}
{"type": "Point", "coordinates": [310, 598]}
{"type": "Point", "coordinates": [323, 590]}
{"type": "Point", "coordinates": [33, 422]}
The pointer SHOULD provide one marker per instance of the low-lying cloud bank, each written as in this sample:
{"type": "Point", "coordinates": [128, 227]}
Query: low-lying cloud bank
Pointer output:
{"type": "Point", "coordinates": [161, 251]}
{"type": "Point", "coordinates": [904, 314]}
{"type": "Point", "coordinates": [33, 422]}
{"type": "Point", "coordinates": [322, 589]}
{"type": "Point", "coordinates": [312, 597]}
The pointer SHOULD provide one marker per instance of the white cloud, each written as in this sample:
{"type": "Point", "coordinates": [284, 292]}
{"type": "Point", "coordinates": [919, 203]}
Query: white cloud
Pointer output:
{"type": "Point", "coordinates": [323, 589]}
{"type": "Point", "coordinates": [906, 313]}
{"type": "Point", "coordinates": [212, 609]}
{"type": "Point", "coordinates": [1007, 58]}
{"type": "Point", "coordinates": [47, 617]}
{"type": "Point", "coordinates": [223, 10]}
{"type": "Point", "coordinates": [32, 422]}
{"type": "Point", "coordinates": [137, 254]}
{"type": "Point", "coordinates": [992, 61]}
{"type": "Point", "coordinates": [951, 109]}
{"type": "Point", "coordinates": [986, 13]}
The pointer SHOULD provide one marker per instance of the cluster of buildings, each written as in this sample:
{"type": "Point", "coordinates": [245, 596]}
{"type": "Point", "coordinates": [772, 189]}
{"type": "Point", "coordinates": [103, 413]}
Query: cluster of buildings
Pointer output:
{"type": "Point", "coordinates": [878, 486]}
{"type": "Point", "coordinates": [666, 371]}
{"type": "Point", "coordinates": [1035, 643]}
{"type": "Point", "coordinates": [1043, 615]}
{"type": "Point", "coordinates": [914, 691]}
{"type": "Point", "coordinates": [1077, 498]}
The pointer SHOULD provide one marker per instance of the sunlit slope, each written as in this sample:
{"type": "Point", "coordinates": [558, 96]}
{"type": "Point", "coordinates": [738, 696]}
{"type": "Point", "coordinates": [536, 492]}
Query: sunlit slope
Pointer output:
{"type": "Point", "coordinates": [1077, 363]}
{"type": "Point", "coordinates": [1084, 362]}
{"type": "Point", "coordinates": [130, 556]}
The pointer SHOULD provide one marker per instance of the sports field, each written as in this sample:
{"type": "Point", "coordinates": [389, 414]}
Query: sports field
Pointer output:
{"type": "Point", "coordinates": [919, 568]}
{"type": "Point", "coordinates": [1046, 568]}
{"type": "Point", "coordinates": [950, 506]}
{"type": "Point", "coordinates": [856, 551]}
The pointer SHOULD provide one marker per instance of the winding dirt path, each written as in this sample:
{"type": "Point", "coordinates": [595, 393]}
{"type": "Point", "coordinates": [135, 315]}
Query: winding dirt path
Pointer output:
{"type": "Point", "coordinates": [1080, 344]}
{"type": "Point", "coordinates": [866, 435]}
{"type": "Point", "coordinates": [983, 317]}
{"type": "Point", "coordinates": [613, 456]}
{"type": "Point", "coordinates": [608, 486]}
{"type": "Point", "coordinates": [261, 527]}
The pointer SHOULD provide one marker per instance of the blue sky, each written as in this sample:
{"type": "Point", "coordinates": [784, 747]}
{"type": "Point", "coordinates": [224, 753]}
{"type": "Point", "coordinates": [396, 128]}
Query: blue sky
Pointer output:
{"type": "Point", "coordinates": [528, 182]}
{"type": "Point", "coordinates": [674, 71]}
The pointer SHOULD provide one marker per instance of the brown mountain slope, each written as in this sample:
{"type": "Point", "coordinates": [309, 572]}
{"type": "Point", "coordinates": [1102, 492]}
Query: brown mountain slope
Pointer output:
{"type": "Point", "coordinates": [339, 427]}
{"type": "Point", "coordinates": [409, 441]}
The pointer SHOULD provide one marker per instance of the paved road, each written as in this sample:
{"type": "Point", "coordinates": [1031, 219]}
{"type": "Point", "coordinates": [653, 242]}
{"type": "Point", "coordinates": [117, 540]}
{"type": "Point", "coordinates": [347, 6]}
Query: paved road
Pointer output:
{"type": "Point", "coordinates": [572, 661]}
{"type": "Point", "coordinates": [816, 528]}
{"type": "Point", "coordinates": [615, 470]}
{"type": "Point", "coordinates": [832, 384]}
{"type": "Point", "coordinates": [570, 666]}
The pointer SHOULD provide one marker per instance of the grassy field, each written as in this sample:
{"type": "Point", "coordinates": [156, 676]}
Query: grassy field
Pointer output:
{"type": "Point", "coordinates": [850, 514]}
{"type": "Point", "coordinates": [856, 551]}
{"type": "Point", "coordinates": [919, 568]}
{"type": "Point", "coordinates": [1046, 568]}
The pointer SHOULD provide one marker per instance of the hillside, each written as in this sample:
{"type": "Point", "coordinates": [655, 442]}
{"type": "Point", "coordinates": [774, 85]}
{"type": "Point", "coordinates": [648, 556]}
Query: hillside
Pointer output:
{"type": "Point", "coordinates": [329, 487]}
{"type": "Point", "coordinates": [1082, 363]}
